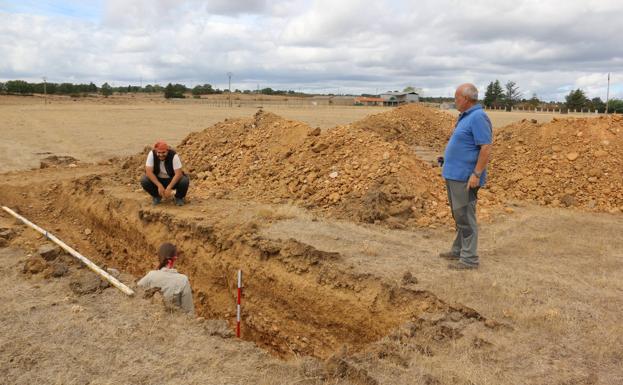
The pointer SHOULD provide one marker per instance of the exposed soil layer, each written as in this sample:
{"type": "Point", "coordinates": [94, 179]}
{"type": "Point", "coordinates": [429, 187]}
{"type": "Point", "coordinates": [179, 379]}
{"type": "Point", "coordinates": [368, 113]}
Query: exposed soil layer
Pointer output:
{"type": "Point", "coordinates": [297, 299]}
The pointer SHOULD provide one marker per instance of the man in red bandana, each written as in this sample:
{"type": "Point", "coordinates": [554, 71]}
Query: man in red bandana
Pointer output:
{"type": "Point", "coordinates": [175, 287]}
{"type": "Point", "coordinates": [163, 174]}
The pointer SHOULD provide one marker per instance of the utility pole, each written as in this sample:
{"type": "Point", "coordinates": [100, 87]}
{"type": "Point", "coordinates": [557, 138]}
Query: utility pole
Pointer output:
{"type": "Point", "coordinates": [45, 91]}
{"type": "Point", "coordinates": [608, 93]}
{"type": "Point", "coordinates": [229, 74]}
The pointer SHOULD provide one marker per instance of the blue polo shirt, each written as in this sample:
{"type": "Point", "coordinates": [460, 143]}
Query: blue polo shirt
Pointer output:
{"type": "Point", "coordinates": [472, 130]}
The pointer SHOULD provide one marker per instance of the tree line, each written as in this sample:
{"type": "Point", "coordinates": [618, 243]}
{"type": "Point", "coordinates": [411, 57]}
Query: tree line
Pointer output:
{"type": "Point", "coordinates": [21, 87]}
{"type": "Point", "coordinates": [509, 96]}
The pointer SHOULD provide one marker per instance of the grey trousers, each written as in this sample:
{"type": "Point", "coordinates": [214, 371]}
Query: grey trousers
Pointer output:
{"type": "Point", "coordinates": [463, 205]}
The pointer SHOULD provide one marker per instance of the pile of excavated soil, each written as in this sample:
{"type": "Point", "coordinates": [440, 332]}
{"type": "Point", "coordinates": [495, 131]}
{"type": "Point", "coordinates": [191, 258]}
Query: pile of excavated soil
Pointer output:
{"type": "Point", "coordinates": [565, 163]}
{"type": "Point", "coordinates": [345, 171]}
{"type": "Point", "coordinates": [413, 124]}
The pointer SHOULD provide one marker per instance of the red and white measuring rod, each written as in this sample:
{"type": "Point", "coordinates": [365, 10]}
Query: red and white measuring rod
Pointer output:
{"type": "Point", "coordinates": [238, 303]}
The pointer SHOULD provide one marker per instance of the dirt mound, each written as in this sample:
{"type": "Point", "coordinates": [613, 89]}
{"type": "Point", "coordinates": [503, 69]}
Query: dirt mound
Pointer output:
{"type": "Point", "coordinates": [58, 161]}
{"type": "Point", "coordinates": [568, 163]}
{"type": "Point", "coordinates": [413, 124]}
{"type": "Point", "coordinates": [345, 171]}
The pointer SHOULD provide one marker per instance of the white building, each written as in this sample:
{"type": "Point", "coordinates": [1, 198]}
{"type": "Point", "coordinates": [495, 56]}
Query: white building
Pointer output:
{"type": "Point", "coordinates": [398, 98]}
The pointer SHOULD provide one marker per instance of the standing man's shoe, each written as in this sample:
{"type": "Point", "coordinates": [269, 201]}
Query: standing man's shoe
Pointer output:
{"type": "Point", "coordinates": [449, 255]}
{"type": "Point", "coordinates": [156, 200]}
{"type": "Point", "coordinates": [179, 201]}
{"type": "Point", "coordinates": [458, 265]}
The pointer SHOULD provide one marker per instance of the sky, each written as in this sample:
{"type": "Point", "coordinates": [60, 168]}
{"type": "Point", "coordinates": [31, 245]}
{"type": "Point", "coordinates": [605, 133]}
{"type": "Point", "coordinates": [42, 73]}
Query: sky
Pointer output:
{"type": "Point", "coordinates": [547, 47]}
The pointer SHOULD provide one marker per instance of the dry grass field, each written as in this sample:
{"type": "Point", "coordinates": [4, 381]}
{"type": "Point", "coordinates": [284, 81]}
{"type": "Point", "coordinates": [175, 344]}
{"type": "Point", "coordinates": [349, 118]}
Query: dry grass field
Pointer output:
{"type": "Point", "coordinates": [92, 131]}
{"type": "Point", "coordinates": [327, 301]}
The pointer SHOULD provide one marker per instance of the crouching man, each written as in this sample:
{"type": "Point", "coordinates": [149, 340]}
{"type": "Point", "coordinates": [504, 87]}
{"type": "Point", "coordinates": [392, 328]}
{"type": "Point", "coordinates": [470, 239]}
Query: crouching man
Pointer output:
{"type": "Point", "coordinates": [163, 174]}
{"type": "Point", "coordinates": [174, 286]}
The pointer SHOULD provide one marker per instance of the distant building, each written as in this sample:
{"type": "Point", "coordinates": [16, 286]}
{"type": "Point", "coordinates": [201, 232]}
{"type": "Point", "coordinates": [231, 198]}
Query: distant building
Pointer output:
{"type": "Point", "coordinates": [367, 101]}
{"type": "Point", "coordinates": [398, 98]}
{"type": "Point", "coordinates": [338, 100]}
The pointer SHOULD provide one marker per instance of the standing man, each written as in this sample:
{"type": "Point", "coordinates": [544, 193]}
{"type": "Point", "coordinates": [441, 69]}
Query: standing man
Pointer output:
{"type": "Point", "coordinates": [163, 174]}
{"type": "Point", "coordinates": [464, 170]}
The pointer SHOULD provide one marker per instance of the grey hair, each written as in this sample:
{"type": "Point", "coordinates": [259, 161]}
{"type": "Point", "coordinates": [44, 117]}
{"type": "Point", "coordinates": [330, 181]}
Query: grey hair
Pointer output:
{"type": "Point", "coordinates": [470, 91]}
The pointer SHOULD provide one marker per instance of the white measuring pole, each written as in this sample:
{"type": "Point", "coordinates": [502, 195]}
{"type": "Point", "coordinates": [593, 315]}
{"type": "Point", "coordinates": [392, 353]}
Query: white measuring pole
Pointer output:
{"type": "Point", "coordinates": [113, 281]}
{"type": "Point", "coordinates": [238, 303]}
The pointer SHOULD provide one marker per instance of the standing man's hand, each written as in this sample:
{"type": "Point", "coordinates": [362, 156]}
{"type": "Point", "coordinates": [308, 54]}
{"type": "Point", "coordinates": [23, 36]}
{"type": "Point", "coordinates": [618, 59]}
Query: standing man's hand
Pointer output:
{"type": "Point", "coordinates": [473, 181]}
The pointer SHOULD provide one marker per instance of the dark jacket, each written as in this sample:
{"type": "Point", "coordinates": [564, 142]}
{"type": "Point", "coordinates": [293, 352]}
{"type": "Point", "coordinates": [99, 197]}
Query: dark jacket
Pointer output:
{"type": "Point", "coordinates": [168, 163]}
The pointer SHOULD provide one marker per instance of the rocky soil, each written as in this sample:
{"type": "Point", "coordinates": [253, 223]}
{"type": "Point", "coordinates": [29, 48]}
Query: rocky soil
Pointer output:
{"type": "Point", "coordinates": [565, 163]}
{"type": "Point", "coordinates": [344, 172]}
{"type": "Point", "coordinates": [413, 124]}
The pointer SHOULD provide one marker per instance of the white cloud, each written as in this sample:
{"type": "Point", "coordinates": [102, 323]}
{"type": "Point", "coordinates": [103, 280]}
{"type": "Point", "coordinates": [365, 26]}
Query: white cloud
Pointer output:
{"type": "Point", "coordinates": [548, 48]}
{"type": "Point", "coordinates": [236, 7]}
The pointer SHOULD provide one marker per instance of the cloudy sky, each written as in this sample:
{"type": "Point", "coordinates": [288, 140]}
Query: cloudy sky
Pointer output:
{"type": "Point", "coordinates": [547, 47]}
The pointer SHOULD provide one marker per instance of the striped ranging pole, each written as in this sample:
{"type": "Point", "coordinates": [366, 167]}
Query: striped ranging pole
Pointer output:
{"type": "Point", "coordinates": [238, 303]}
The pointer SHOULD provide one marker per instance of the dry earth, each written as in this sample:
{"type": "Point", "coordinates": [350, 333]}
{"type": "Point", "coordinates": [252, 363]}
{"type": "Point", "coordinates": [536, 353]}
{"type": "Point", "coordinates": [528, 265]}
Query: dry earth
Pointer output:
{"type": "Point", "coordinates": [326, 300]}
{"type": "Point", "coordinates": [94, 131]}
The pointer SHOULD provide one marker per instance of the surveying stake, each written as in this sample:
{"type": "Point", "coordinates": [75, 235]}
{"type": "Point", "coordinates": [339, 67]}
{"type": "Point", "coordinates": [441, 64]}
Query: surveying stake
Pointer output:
{"type": "Point", "coordinates": [238, 303]}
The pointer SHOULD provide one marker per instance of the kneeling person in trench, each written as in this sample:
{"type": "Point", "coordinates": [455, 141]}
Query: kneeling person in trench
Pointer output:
{"type": "Point", "coordinates": [163, 174]}
{"type": "Point", "coordinates": [174, 286]}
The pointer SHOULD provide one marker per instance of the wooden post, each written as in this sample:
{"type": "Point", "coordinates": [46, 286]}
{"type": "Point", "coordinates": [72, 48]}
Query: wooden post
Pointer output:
{"type": "Point", "coordinates": [113, 281]}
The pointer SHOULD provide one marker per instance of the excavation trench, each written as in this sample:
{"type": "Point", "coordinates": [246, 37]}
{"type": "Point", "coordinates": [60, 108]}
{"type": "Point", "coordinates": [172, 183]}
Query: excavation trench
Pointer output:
{"type": "Point", "coordinates": [297, 300]}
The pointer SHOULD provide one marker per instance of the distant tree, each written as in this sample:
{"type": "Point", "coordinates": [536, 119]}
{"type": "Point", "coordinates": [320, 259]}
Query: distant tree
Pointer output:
{"type": "Point", "coordinates": [409, 89]}
{"type": "Point", "coordinates": [488, 99]}
{"type": "Point", "coordinates": [615, 106]}
{"type": "Point", "coordinates": [512, 95]}
{"type": "Point", "coordinates": [267, 91]}
{"type": "Point", "coordinates": [51, 88]}
{"type": "Point", "coordinates": [534, 102]}
{"type": "Point", "coordinates": [576, 100]}
{"type": "Point", "coordinates": [66, 89]}
{"type": "Point", "coordinates": [431, 99]}
{"type": "Point", "coordinates": [92, 87]}
{"type": "Point", "coordinates": [2, 88]}
{"type": "Point", "coordinates": [168, 91]}
{"type": "Point", "coordinates": [18, 87]}
{"type": "Point", "coordinates": [596, 104]}
{"type": "Point", "coordinates": [174, 91]}
{"type": "Point", "coordinates": [205, 89]}
{"type": "Point", "coordinates": [153, 88]}
{"type": "Point", "coordinates": [494, 96]}
{"type": "Point", "coordinates": [37, 88]}
{"type": "Point", "coordinates": [106, 90]}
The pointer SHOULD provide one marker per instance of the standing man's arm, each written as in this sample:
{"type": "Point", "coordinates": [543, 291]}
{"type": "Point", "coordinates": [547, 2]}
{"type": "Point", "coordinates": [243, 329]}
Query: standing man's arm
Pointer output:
{"type": "Point", "coordinates": [481, 164]}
